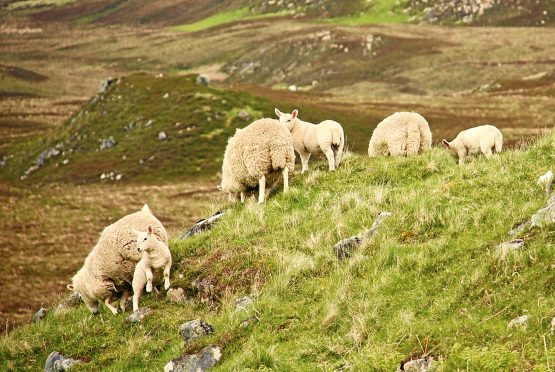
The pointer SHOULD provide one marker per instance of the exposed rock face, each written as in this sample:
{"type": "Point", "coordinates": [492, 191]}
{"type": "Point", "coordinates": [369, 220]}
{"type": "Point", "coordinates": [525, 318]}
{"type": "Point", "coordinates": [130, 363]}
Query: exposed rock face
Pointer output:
{"type": "Point", "coordinates": [204, 360]}
{"type": "Point", "coordinates": [58, 363]}
{"type": "Point", "coordinates": [346, 247]}
{"type": "Point", "coordinates": [194, 329]}
{"type": "Point", "coordinates": [105, 84]}
{"type": "Point", "coordinates": [202, 225]}
{"type": "Point", "coordinates": [39, 315]}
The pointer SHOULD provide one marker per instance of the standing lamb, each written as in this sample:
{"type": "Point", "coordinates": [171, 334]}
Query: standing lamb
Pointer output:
{"type": "Point", "coordinates": [256, 154]}
{"type": "Point", "coordinates": [156, 255]}
{"type": "Point", "coordinates": [308, 138]}
{"type": "Point", "coordinates": [400, 134]}
{"type": "Point", "coordinates": [484, 139]}
{"type": "Point", "coordinates": [109, 267]}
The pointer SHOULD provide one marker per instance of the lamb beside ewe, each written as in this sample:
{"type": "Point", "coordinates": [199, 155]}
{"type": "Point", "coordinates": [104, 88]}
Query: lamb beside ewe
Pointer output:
{"type": "Point", "coordinates": [326, 137]}
{"type": "Point", "coordinates": [109, 267]}
{"type": "Point", "coordinates": [256, 154]}
{"type": "Point", "coordinates": [400, 134]}
{"type": "Point", "coordinates": [156, 255]}
{"type": "Point", "coordinates": [484, 139]}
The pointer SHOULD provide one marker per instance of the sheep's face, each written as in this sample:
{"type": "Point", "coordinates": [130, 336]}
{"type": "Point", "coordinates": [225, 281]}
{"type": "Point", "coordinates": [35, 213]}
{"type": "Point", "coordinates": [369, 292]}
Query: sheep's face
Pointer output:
{"type": "Point", "coordinates": [146, 240]}
{"type": "Point", "coordinates": [287, 119]}
{"type": "Point", "coordinates": [450, 147]}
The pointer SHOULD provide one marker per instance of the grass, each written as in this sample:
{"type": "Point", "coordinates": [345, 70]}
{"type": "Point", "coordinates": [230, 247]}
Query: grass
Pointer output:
{"type": "Point", "coordinates": [380, 12]}
{"type": "Point", "coordinates": [31, 4]}
{"type": "Point", "coordinates": [428, 283]}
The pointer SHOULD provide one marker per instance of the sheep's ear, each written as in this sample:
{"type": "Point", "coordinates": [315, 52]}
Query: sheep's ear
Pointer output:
{"type": "Point", "coordinates": [294, 114]}
{"type": "Point", "coordinates": [219, 187]}
{"type": "Point", "coordinates": [149, 229]}
{"type": "Point", "coordinates": [70, 287]}
{"type": "Point", "coordinates": [445, 142]}
{"type": "Point", "coordinates": [278, 113]}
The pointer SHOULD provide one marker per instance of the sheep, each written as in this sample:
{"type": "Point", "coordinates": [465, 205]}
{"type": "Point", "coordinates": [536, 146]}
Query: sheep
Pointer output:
{"type": "Point", "coordinates": [255, 155]}
{"type": "Point", "coordinates": [400, 134]}
{"type": "Point", "coordinates": [484, 139]}
{"type": "Point", "coordinates": [109, 267]}
{"type": "Point", "coordinates": [156, 255]}
{"type": "Point", "coordinates": [326, 137]}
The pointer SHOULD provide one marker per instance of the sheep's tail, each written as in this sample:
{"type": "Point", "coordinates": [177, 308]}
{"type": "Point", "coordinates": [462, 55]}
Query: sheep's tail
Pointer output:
{"type": "Point", "coordinates": [498, 142]}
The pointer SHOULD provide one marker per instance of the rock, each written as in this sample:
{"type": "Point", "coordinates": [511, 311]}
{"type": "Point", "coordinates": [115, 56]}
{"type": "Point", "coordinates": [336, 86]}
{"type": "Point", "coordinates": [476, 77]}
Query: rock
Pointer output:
{"type": "Point", "coordinates": [545, 215]}
{"type": "Point", "coordinates": [519, 229]}
{"type": "Point", "coordinates": [39, 315]}
{"type": "Point", "coordinates": [65, 162]}
{"type": "Point", "coordinates": [58, 363]}
{"type": "Point", "coordinates": [72, 301]}
{"type": "Point", "coordinates": [139, 315]}
{"type": "Point", "coordinates": [167, 95]}
{"type": "Point", "coordinates": [176, 295]}
{"type": "Point", "coordinates": [162, 136]}
{"type": "Point", "coordinates": [49, 153]}
{"type": "Point", "coordinates": [107, 143]}
{"type": "Point", "coordinates": [202, 225]}
{"type": "Point", "coordinates": [243, 302]}
{"type": "Point", "coordinates": [546, 181]}
{"type": "Point", "coordinates": [292, 88]}
{"type": "Point", "coordinates": [194, 329]}
{"type": "Point", "coordinates": [251, 319]}
{"type": "Point", "coordinates": [203, 80]}
{"type": "Point", "coordinates": [204, 287]}
{"type": "Point", "coordinates": [519, 322]}
{"type": "Point", "coordinates": [346, 247]}
{"type": "Point", "coordinates": [149, 123]}
{"type": "Point", "coordinates": [128, 127]}
{"type": "Point", "coordinates": [244, 115]}
{"type": "Point", "coordinates": [105, 84]}
{"type": "Point", "coordinates": [418, 365]}
{"type": "Point", "coordinates": [202, 361]}
{"type": "Point", "coordinates": [552, 328]}
{"type": "Point", "coordinates": [2, 162]}
{"type": "Point", "coordinates": [503, 249]}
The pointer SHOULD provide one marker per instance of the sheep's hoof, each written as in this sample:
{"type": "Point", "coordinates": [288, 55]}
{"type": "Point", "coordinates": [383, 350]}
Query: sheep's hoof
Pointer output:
{"type": "Point", "coordinates": [149, 288]}
{"type": "Point", "coordinates": [167, 286]}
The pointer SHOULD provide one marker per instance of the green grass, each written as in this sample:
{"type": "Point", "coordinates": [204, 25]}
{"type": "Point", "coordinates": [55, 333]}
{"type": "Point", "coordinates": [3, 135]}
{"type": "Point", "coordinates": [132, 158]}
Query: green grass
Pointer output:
{"type": "Point", "coordinates": [428, 282]}
{"type": "Point", "coordinates": [380, 12]}
{"type": "Point", "coordinates": [223, 18]}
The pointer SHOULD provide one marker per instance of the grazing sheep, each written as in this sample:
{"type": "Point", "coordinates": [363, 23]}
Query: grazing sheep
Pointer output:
{"type": "Point", "coordinates": [326, 137]}
{"type": "Point", "coordinates": [484, 139]}
{"type": "Point", "coordinates": [256, 154]}
{"type": "Point", "coordinates": [400, 134]}
{"type": "Point", "coordinates": [156, 255]}
{"type": "Point", "coordinates": [109, 267]}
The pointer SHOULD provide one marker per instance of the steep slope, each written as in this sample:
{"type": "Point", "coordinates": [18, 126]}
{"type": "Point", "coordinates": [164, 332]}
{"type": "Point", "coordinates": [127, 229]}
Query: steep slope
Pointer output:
{"type": "Point", "coordinates": [429, 283]}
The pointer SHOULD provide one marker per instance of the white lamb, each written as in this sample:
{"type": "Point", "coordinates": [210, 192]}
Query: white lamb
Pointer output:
{"type": "Point", "coordinates": [484, 139]}
{"type": "Point", "coordinates": [256, 154]}
{"type": "Point", "coordinates": [156, 255]}
{"type": "Point", "coordinates": [109, 267]}
{"type": "Point", "coordinates": [326, 137]}
{"type": "Point", "coordinates": [400, 134]}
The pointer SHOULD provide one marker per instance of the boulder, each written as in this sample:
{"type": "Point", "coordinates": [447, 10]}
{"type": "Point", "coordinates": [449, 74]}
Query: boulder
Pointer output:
{"type": "Point", "coordinates": [58, 363]}
{"type": "Point", "coordinates": [204, 360]}
{"type": "Point", "coordinates": [194, 329]}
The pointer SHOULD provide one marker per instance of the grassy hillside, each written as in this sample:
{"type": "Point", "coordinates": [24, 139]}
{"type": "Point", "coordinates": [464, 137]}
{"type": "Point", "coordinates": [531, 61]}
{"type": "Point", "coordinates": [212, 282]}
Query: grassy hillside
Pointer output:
{"type": "Point", "coordinates": [429, 282]}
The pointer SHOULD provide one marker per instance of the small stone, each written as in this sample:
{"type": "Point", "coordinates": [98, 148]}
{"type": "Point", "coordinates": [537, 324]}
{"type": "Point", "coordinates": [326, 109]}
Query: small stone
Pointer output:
{"type": "Point", "coordinates": [65, 162]}
{"type": "Point", "coordinates": [519, 322]}
{"type": "Point", "coordinates": [162, 136]}
{"type": "Point", "coordinates": [194, 329]}
{"type": "Point", "coordinates": [39, 315]}
{"type": "Point", "coordinates": [244, 115]}
{"type": "Point", "coordinates": [292, 88]}
{"type": "Point", "coordinates": [141, 161]}
{"type": "Point", "coordinates": [167, 95]}
{"type": "Point", "coordinates": [139, 315]}
{"type": "Point", "coordinates": [418, 365]}
{"type": "Point", "coordinates": [202, 361]}
{"type": "Point", "coordinates": [243, 302]}
{"type": "Point", "coordinates": [107, 143]}
{"type": "Point", "coordinates": [176, 295]}
{"type": "Point", "coordinates": [149, 123]}
{"type": "Point", "coordinates": [203, 80]}
{"type": "Point", "coordinates": [118, 177]}
{"type": "Point", "coordinates": [58, 363]}
{"type": "Point", "coordinates": [105, 84]}
{"type": "Point", "coordinates": [247, 322]}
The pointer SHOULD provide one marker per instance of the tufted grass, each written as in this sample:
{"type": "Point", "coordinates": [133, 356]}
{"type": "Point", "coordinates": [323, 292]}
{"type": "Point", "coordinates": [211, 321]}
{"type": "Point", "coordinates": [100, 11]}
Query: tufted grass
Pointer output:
{"type": "Point", "coordinates": [428, 283]}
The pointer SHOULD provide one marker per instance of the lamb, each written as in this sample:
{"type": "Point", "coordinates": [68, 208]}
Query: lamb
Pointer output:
{"type": "Point", "coordinates": [256, 154]}
{"type": "Point", "coordinates": [400, 134]}
{"type": "Point", "coordinates": [326, 137]}
{"type": "Point", "coordinates": [484, 139]}
{"type": "Point", "coordinates": [109, 267]}
{"type": "Point", "coordinates": [156, 255]}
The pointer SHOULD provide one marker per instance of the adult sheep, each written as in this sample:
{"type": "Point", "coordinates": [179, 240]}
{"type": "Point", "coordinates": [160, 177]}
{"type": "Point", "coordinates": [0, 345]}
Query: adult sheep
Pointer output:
{"type": "Point", "coordinates": [400, 134]}
{"type": "Point", "coordinates": [257, 154]}
{"type": "Point", "coordinates": [326, 137]}
{"type": "Point", "coordinates": [109, 267]}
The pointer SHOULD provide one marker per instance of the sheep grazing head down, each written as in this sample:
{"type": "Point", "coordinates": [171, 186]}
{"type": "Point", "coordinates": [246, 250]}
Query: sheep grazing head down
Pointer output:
{"type": "Point", "coordinates": [287, 119]}
{"type": "Point", "coordinates": [146, 240]}
{"type": "Point", "coordinates": [450, 147]}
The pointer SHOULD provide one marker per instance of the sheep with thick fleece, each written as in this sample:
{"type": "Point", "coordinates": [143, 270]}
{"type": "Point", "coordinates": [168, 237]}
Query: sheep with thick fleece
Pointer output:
{"type": "Point", "coordinates": [156, 255]}
{"type": "Point", "coordinates": [484, 139]}
{"type": "Point", "coordinates": [326, 137]}
{"type": "Point", "coordinates": [109, 267]}
{"type": "Point", "coordinates": [400, 134]}
{"type": "Point", "coordinates": [256, 154]}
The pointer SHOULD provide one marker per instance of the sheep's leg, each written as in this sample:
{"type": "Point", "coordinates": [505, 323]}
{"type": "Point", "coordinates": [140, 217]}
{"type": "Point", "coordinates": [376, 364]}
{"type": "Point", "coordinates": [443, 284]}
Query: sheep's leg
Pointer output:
{"type": "Point", "coordinates": [462, 156]}
{"type": "Point", "coordinates": [338, 154]}
{"type": "Point", "coordinates": [304, 161]}
{"type": "Point", "coordinates": [486, 150]}
{"type": "Point", "coordinates": [167, 275]}
{"type": "Point", "coordinates": [149, 277]}
{"type": "Point", "coordinates": [285, 179]}
{"type": "Point", "coordinates": [123, 301]}
{"type": "Point", "coordinates": [108, 303]}
{"type": "Point", "coordinates": [331, 158]}
{"type": "Point", "coordinates": [139, 281]}
{"type": "Point", "coordinates": [261, 189]}
{"type": "Point", "coordinates": [242, 196]}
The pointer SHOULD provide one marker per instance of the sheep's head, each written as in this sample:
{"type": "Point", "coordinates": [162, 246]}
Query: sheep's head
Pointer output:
{"type": "Point", "coordinates": [287, 119]}
{"type": "Point", "coordinates": [146, 240]}
{"type": "Point", "coordinates": [450, 147]}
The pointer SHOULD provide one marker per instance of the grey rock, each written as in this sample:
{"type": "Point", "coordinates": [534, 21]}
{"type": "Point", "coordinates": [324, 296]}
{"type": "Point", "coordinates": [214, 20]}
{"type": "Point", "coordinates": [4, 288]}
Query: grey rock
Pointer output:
{"type": "Point", "coordinates": [72, 301]}
{"type": "Point", "coordinates": [418, 365]}
{"type": "Point", "coordinates": [149, 123]}
{"type": "Point", "coordinates": [545, 215]}
{"type": "Point", "coordinates": [519, 322]}
{"type": "Point", "coordinates": [58, 363]}
{"type": "Point", "coordinates": [105, 84]}
{"type": "Point", "coordinates": [519, 229]}
{"type": "Point", "coordinates": [243, 302]}
{"type": "Point", "coordinates": [48, 153]}
{"type": "Point", "coordinates": [194, 329]}
{"type": "Point", "coordinates": [204, 287]}
{"type": "Point", "coordinates": [247, 322]}
{"type": "Point", "coordinates": [244, 115]}
{"type": "Point", "coordinates": [162, 136]}
{"type": "Point", "coordinates": [202, 225]}
{"type": "Point", "coordinates": [505, 248]}
{"type": "Point", "coordinates": [128, 127]}
{"type": "Point", "coordinates": [203, 79]}
{"type": "Point", "coordinates": [139, 315]}
{"type": "Point", "coordinates": [107, 143]}
{"type": "Point", "coordinates": [176, 295]}
{"type": "Point", "coordinates": [39, 315]}
{"type": "Point", "coordinates": [2, 161]}
{"type": "Point", "coordinates": [204, 360]}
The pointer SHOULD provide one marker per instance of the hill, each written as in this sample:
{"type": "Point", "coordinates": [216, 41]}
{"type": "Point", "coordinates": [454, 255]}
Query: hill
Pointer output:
{"type": "Point", "coordinates": [431, 282]}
